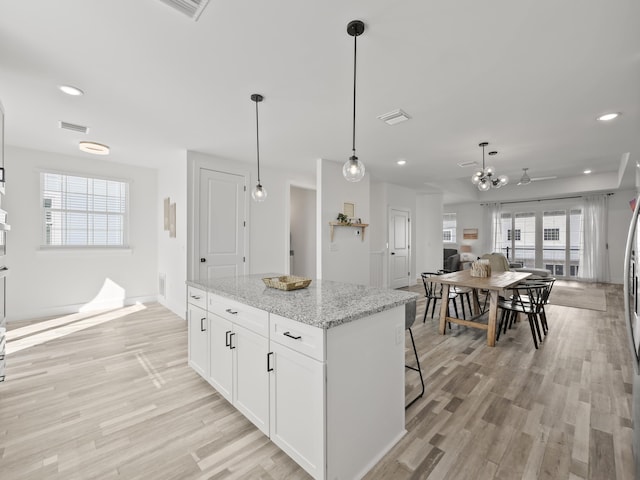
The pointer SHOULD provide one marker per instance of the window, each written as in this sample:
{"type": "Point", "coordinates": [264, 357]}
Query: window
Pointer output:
{"type": "Point", "coordinates": [449, 227]}
{"type": "Point", "coordinates": [513, 236]}
{"type": "Point", "coordinates": [551, 234]}
{"type": "Point", "coordinates": [83, 211]}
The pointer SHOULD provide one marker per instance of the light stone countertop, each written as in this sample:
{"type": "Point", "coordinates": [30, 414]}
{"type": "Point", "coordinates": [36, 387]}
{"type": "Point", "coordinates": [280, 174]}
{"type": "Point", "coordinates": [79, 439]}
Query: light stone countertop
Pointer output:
{"type": "Point", "coordinates": [323, 304]}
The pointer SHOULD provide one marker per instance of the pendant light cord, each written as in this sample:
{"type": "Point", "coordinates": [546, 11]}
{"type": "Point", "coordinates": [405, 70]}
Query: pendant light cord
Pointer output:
{"type": "Point", "coordinates": [257, 143]}
{"type": "Point", "coordinates": [355, 52]}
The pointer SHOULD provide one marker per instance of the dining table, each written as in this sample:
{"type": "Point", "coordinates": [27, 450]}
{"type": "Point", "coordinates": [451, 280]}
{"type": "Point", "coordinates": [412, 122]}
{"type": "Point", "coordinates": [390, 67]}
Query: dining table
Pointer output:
{"type": "Point", "coordinates": [492, 284]}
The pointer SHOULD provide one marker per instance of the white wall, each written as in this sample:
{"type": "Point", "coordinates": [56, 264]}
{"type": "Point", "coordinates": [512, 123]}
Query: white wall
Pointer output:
{"type": "Point", "coordinates": [303, 231]}
{"type": "Point", "coordinates": [172, 252]}
{"type": "Point", "coordinates": [469, 215]}
{"type": "Point", "coordinates": [346, 259]}
{"type": "Point", "coordinates": [268, 222]}
{"type": "Point", "coordinates": [51, 282]}
{"type": "Point", "coordinates": [428, 247]}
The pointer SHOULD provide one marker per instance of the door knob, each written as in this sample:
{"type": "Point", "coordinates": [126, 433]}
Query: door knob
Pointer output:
{"type": "Point", "coordinates": [393, 253]}
{"type": "Point", "coordinates": [202, 260]}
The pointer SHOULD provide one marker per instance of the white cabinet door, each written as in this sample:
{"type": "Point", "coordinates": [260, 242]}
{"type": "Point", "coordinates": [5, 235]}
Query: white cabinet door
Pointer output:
{"type": "Point", "coordinates": [250, 376]}
{"type": "Point", "coordinates": [297, 407]}
{"type": "Point", "coordinates": [198, 340]}
{"type": "Point", "coordinates": [220, 355]}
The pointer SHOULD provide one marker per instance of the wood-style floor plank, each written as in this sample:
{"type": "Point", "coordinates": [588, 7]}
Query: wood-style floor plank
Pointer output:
{"type": "Point", "coordinates": [109, 395]}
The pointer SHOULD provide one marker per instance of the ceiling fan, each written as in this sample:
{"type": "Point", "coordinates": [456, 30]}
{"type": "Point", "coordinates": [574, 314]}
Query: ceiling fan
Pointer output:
{"type": "Point", "coordinates": [526, 179]}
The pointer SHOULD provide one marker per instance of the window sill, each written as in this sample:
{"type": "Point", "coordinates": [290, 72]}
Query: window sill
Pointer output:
{"type": "Point", "coordinates": [85, 250]}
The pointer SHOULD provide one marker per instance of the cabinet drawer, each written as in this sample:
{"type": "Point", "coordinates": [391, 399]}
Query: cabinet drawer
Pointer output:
{"type": "Point", "coordinates": [298, 336]}
{"type": "Point", "coordinates": [196, 296]}
{"type": "Point", "coordinates": [248, 317]}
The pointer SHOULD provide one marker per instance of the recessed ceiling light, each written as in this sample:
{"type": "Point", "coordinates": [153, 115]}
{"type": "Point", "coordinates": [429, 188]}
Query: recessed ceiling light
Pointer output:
{"type": "Point", "coordinates": [391, 118]}
{"type": "Point", "coordinates": [71, 90]}
{"type": "Point", "coordinates": [401, 162]}
{"type": "Point", "coordinates": [608, 116]}
{"type": "Point", "coordinates": [93, 147]}
{"type": "Point", "coordinates": [587, 172]}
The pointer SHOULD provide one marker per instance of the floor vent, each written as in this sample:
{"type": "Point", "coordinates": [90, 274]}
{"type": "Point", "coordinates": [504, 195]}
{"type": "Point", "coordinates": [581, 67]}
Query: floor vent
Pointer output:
{"type": "Point", "coordinates": [73, 127]}
{"type": "Point", "coordinates": [191, 8]}
{"type": "Point", "coordinates": [162, 285]}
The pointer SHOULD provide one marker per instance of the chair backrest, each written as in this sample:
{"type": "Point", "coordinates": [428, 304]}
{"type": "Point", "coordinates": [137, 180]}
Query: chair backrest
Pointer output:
{"type": "Point", "coordinates": [546, 283]}
{"type": "Point", "coordinates": [431, 288]}
{"type": "Point", "coordinates": [409, 314]}
{"type": "Point", "coordinates": [528, 297]}
{"type": "Point", "coordinates": [498, 262]}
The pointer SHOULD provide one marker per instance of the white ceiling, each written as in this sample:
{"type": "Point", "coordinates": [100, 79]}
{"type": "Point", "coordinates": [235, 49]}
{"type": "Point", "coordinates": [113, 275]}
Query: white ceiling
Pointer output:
{"type": "Point", "coordinates": [527, 76]}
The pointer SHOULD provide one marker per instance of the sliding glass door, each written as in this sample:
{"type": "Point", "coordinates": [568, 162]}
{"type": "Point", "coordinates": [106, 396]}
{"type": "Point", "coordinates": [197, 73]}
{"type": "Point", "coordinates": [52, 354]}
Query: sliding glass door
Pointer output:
{"type": "Point", "coordinates": [543, 238]}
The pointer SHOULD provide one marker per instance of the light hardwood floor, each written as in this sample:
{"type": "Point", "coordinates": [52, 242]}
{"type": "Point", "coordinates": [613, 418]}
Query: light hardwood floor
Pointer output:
{"type": "Point", "coordinates": [102, 397]}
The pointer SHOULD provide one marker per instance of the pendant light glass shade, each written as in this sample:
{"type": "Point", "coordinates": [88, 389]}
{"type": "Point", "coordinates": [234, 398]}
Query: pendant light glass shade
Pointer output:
{"type": "Point", "coordinates": [259, 194]}
{"type": "Point", "coordinates": [353, 169]}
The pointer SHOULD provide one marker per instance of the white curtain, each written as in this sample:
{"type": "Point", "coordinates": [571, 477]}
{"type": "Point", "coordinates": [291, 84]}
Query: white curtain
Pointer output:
{"type": "Point", "coordinates": [594, 256]}
{"type": "Point", "coordinates": [492, 220]}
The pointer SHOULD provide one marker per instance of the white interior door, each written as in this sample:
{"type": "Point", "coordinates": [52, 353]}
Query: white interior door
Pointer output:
{"type": "Point", "coordinates": [222, 224]}
{"type": "Point", "coordinates": [399, 248]}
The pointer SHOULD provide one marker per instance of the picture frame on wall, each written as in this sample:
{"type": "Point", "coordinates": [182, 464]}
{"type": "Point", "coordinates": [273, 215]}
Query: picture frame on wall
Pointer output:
{"type": "Point", "coordinates": [470, 233]}
{"type": "Point", "coordinates": [349, 210]}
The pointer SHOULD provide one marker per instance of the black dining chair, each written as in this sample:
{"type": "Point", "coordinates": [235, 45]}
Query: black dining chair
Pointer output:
{"type": "Point", "coordinates": [433, 293]}
{"type": "Point", "coordinates": [409, 318]}
{"type": "Point", "coordinates": [525, 298]}
{"type": "Point", "coordinates": [462, 292]}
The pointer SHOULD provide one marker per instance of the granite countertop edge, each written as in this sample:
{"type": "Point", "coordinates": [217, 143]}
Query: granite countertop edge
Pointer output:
{"type": "Point", "coordinates": [303, 306]}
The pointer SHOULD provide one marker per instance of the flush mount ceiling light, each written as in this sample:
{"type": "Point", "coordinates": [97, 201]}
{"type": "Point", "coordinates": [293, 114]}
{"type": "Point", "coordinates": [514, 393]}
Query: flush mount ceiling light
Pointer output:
{"type": "Point", "coordinates": [587, 171]}
{"type": "Point", "coordinates": [401, 162]}
{"type": "Point", "coordinates": [259, 194]}
{"type": "Point", "coordinates": [391, 118]}
{"type": "Point", "coordinates": [353, 169]}
{"type": "Point", "coordinates": [93, 147]}
{"type": "Point", "coordinates": [486, 178]}
{"type": "Point", "coordinates": [71, 90]}
{"type": "Point", "coordinates": [608, 116]}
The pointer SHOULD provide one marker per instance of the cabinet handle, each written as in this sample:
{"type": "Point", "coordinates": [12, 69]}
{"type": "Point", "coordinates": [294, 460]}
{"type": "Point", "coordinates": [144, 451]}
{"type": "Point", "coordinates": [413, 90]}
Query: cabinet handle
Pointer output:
{"type": "Point", "coordinates": [231, 345]}
{"type": "Point", "coordinates": [269, 367]}
{"type": "Point", "coordinates": [227, 340]}
{"type": "Point", "coordinates": [287, 334]}
{"type": "Point", "coordinates": [202, 329]}
{"type": "Point", "coordinates": [197, 297]}
{"type": "Point", "coordinates": [232, 312]}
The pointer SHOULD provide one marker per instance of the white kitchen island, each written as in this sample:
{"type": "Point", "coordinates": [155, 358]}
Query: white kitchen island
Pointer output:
{"type": "Point", "coordinates": [319, 370]}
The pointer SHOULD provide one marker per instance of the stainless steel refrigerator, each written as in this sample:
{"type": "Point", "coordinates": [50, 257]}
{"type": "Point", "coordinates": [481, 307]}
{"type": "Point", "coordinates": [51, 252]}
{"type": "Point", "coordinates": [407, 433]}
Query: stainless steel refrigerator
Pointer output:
{"type": "Point", "coordinates": [632, 313]}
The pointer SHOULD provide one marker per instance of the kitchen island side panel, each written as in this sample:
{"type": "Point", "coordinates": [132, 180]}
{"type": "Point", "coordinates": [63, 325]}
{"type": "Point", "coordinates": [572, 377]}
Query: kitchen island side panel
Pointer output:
{"type": "Point", "coordinates": [365, 392]}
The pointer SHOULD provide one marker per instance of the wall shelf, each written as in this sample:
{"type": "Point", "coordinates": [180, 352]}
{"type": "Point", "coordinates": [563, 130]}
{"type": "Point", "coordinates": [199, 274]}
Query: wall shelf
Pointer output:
{"type": "Point", "coordinates": [356, 225]}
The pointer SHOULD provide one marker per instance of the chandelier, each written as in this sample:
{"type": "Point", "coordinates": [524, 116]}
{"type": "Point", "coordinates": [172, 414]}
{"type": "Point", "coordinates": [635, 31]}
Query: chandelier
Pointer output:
{"type": "Point", "coordinates": [487, 178]}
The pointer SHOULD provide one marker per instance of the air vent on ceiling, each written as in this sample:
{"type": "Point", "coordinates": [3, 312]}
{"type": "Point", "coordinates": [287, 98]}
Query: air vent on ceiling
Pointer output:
{"type": "Point", "coordinates": [191, 8]}
{"type": "Point", "coordinates": [472, 163]}
{"type": "Point", "coordinates": [391, 118]}
{"type": "Point", "coordinates": [73, 127]}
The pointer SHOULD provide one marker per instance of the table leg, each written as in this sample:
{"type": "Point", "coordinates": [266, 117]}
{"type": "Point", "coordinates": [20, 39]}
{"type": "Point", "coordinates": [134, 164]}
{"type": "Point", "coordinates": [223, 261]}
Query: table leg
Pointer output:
{"type": "Point", "coordinates": [493, 318]}
{"type": "Point", "coordinates": [444, 303]}
{"type": "Point", "coordinates": [476, 302]}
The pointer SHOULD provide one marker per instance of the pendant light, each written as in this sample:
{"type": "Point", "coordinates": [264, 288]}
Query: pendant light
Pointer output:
{"type": "Point", "coordinates": [259, 194]}
{"type": "Point", "coordinates": [353, 169]}
{"type": "Point", "coordinates": [486, 178]}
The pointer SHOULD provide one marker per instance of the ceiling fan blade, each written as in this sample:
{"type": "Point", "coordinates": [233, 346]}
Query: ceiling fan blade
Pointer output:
{"type": "Point", "coordinates": [538, 179]}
